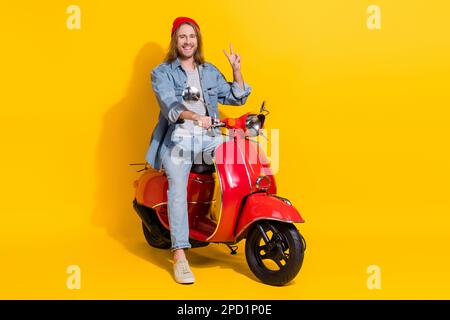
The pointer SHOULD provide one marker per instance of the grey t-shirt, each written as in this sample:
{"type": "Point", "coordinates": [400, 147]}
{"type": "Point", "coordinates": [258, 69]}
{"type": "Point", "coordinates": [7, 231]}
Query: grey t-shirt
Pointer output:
{"type": "Point", "coordinates": [193, 80]}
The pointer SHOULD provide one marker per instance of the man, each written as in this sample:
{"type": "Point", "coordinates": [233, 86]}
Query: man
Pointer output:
{"type": "Point", "coordinates": [188, 90]}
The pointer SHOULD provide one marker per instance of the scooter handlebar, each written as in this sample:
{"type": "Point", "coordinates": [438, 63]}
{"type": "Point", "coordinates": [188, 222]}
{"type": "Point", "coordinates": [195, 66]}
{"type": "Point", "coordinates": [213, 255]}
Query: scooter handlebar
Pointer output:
{"type": "Point", "coordinates": [216, 123]}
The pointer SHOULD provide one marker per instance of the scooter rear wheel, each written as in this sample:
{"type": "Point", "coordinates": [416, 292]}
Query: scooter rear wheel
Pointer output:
{"type": "Point", "coordinates": [274, 252]}
{"type": "Point", "coordinates": [157, 237]}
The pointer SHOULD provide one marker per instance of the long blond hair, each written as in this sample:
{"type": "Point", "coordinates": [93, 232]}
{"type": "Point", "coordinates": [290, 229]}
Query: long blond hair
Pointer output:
{"type": "Point", "coordinates": [172, 54]}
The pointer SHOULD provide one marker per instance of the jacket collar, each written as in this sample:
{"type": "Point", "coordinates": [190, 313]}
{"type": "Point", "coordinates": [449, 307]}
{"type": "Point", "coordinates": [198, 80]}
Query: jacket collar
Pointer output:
{"type": "Point", "coordinates": [176, 63]}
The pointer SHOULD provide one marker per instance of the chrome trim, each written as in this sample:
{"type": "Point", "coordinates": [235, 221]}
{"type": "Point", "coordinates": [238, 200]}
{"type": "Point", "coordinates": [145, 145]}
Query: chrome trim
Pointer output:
{"type": "Point", "coordinates": [158, 205]}
{"type": "Point", "coordinates": [258, 180]}
{"type": "Point", "coordinates": [282, 199]}
{"type": "Point", "coordinates": [189, 202]}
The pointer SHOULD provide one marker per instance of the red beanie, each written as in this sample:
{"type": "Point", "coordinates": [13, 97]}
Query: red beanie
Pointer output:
{"type": "Point", "coordinates": [179, 21]}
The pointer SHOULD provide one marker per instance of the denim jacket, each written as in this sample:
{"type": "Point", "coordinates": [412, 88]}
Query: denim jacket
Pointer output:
{"type": "Point", "coordinates": [169, 81]}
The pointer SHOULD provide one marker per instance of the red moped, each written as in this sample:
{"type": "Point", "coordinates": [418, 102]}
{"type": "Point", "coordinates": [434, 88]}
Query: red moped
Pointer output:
{"type": "Point", "coordinates": [232, 199]}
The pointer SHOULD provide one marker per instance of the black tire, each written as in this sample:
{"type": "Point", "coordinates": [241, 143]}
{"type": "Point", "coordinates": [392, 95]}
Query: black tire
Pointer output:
{"type": "Point", "coordinates": [285, 244]}
{"type": "Point", "coordinates": [157, 237]}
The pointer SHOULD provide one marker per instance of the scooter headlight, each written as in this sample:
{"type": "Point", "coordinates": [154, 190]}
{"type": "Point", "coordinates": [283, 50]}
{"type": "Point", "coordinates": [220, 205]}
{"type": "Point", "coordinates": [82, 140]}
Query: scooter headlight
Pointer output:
{"type": "Point", "coordinates": [254, 124]}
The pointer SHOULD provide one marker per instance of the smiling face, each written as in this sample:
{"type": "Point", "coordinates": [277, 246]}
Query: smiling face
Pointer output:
{"type": "Point", "coordinates": [186, 41]}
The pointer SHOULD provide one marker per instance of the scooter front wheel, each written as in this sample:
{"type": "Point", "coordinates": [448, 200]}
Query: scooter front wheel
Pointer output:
{"type": "Point", "coordinates": [274, 252]}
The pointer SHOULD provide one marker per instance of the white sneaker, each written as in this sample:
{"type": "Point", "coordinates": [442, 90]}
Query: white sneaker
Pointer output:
{"type": "Point", "coordinates": [182, 272]}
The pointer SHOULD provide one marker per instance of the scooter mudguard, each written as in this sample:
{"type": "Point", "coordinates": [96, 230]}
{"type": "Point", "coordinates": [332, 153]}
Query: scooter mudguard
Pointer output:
{"type": "Point", "coordinates": [261, 206]}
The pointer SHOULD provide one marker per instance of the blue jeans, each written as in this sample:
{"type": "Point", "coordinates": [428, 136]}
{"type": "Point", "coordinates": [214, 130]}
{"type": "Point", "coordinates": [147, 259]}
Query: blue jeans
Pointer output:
{"type": "Point", "coordinates": [177, 163]}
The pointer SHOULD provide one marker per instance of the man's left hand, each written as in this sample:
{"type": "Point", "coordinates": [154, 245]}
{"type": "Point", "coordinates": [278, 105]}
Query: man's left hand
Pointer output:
{"type": "Point", "coordinates": [234, 59]}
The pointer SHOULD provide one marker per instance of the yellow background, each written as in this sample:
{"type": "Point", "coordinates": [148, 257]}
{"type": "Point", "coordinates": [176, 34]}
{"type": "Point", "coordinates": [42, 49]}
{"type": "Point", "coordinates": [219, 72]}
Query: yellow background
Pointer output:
{"type": "Point", "coordinates": [364, 132]}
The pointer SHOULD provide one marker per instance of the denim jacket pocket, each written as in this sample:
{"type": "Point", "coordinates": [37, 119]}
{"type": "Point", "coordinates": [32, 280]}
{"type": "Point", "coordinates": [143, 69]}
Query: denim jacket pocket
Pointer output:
{"type": "Point", "coordinates": [212, 93]}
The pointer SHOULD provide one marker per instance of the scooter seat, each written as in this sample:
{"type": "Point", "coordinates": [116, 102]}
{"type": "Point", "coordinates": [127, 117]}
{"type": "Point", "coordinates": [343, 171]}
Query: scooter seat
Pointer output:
{"type": "Point", "coordinates": [200, 166]}
{"type": "Point", "coordinates": [203, 168]}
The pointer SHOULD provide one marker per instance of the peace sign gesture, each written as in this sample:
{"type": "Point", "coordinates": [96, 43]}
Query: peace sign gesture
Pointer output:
{"type": "Point", "coordinates": [234, 59]}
